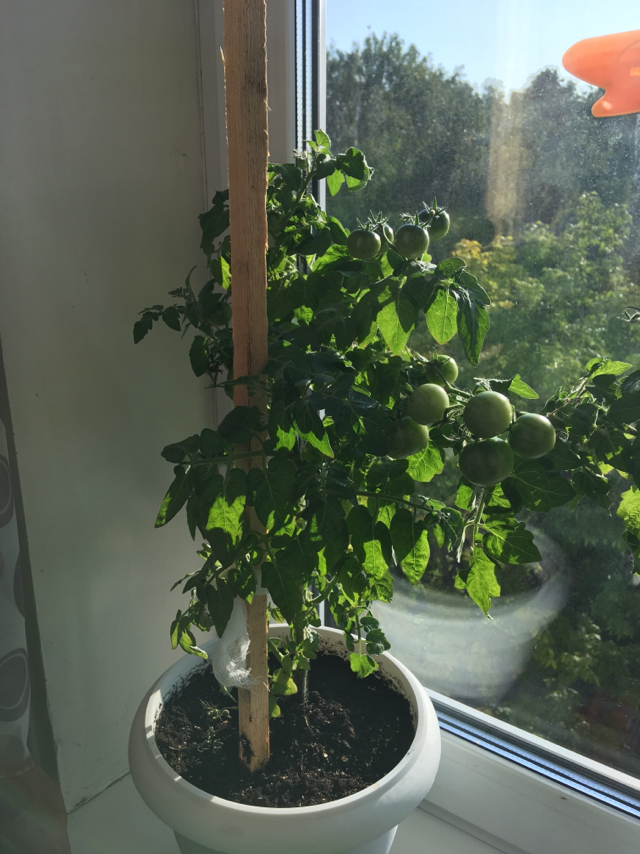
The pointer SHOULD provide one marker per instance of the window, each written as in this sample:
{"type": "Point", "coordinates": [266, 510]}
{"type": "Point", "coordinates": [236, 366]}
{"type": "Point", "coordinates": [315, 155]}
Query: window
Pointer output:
{"type": "Point", "coordinates": [545, 208]}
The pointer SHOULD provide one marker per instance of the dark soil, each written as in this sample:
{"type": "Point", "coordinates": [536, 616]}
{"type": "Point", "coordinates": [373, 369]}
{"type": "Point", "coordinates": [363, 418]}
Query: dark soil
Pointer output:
{"type": "Point", "coordinates": [348, 734]}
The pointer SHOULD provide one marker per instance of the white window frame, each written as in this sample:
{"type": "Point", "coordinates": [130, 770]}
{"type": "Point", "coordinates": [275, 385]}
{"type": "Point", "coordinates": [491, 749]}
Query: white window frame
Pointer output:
{"type": "Point", "coordinates": [493, 799]}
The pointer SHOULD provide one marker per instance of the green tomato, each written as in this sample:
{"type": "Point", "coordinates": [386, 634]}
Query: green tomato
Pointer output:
{"type": "Point", "coordinates": [411, 241]}
{"type": "Point", "coordinates": [427, 404]}
{"type": "Point", "coordinates": [487, 414]}
{"type": "Point", "coordinates": [363, 244]}
{"type": "Point", "coordinates": [406, 437]}
{"type": "Point", "coordinates": [532, 436]}
{"type": "Point", "coordinates": [386, 233]}
{"type": "Point", "coordinates": [486, 463]}
{"type": "Point", "coordinates": [439, 226]}
{"type": "Point", "coordinates": [442, 369]}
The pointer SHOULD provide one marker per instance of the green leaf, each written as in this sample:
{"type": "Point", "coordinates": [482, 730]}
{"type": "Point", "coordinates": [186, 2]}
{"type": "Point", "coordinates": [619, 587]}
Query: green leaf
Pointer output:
{"type": "Point", "coordinates": [276, 491]}
{"type": "Point", "coordinates": [611, 368]}
{"type": "Point", "coordinates": [199, 355]}
{"type": "Point", "coordinates": [539, 488]}
{"type": "Point", "coordinates": [212, 443]}
{"type": "Point", "coordinates": [625, 410]}
{"type": "Point", "coordinates": [411, 544]}
{"type": "Point", "coordinates": [241, 424]}
{"type": "Point", "coordinates": [518, 386]}
{"type": "Point", "coordinates": [176, 496]}
{"type": "Point", "coordinates": [441, 316]}
{"type": "Point", "coordinates": [510, 543]}
{"type": "Point", "coordinates": [366, 545]}
{"type": "Point", "coordinates": [171, 317]}
{"type": "Point", "coordinates": [629, 509]}
{"type": "Point", "coordinates": [481, 582]}
{"type": "Point", "coordinates": [447, 268]}
{"type": "Point", "coordinates": [563, 457]}
{"type": "Point", "coordinates": [142, 326]}
{"type": "Point", "coordinates": [283, 583]}
{"type": "Point", "coordinates": [427, 463]}
{"type": "Point", "coordinates": [362, 664]}
{"type": "Point", "coordinates": [226, 515]}
{"type": "Point", "coordinates": [473, 324]}
{"type": "Point", "coordinates": [396, 320]}
{"type": "Point", "coordinates": [220, 604]}
{"type": "Point", "coordinates": [322, 140]}
{"type": "Point", "coordinates": [335, 181]}
{"type": "Point", "coordinates": [464, 496]}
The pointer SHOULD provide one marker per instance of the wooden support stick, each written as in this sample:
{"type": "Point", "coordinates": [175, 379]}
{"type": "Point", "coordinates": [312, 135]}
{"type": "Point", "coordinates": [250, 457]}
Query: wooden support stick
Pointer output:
{"type": "Point", "coordinates": [245, 54]}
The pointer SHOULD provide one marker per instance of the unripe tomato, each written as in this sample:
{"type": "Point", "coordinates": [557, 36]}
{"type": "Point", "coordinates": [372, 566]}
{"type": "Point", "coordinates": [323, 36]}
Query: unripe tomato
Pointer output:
{"type": "Point", "coordinates": [386, 233]}
{"type": "Point", "coordinates": [437, 224]}
{"type": "Point", "coordinates": [487, 414]}
{"type": "Point", "coordinates": [411, 241]}
{"type": "Point", "coordinates": [442, 369]}
{"type": "Point", "coordinates": [486, 463]}
{"type": "Point", "coordinates": [532, 436]}
{"type": "Point", "coordinates": [363, 244]}
{"type": "Point", "coordinates": [427, 404]}
{"type": "Point", "coordinates": [406, 437]}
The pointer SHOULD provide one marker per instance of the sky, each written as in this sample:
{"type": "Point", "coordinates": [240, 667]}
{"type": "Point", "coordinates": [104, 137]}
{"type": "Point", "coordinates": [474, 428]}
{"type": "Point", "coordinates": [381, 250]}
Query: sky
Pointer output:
{"type": "Point", "coordinates": [504, 40]}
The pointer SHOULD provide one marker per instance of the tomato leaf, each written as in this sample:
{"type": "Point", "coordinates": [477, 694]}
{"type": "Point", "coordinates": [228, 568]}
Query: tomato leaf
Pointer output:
{"type": "Point", "coordinates": [473, 324]}
{"type": "Point", "coordinates": [540, 488]}
{"type": "Point", "coordinates": [481, 582]}
{"type": "Point", "coordinates": [283, 583]}
{"type": "Point", "coordinates": [199, 355]}
{"type": "Point", "coordinates": [366, 546]}
{"type": "Point", "coordinates": [410, 540]}
{"type": "Point", "coordinates": [509, 542]}
{"type": "Point", "coordinates": [396, 320]}
{"type": "Point", "coordinates": [441, 316]}
{"type": "Point", "coordinates": [362, 664]}
{"type": "Point", "coordinates": [625, 410]}
{"type": "Point", "coordinates": [518, 386]}
{"type": "Point", "coordinates": [426, 464]}
{"type": "Point", "coordinates": [609, 367]}
{"type": "Point", "coordinates": [220, 604]}
{"type": "Point", "coordinates": [176, 496]}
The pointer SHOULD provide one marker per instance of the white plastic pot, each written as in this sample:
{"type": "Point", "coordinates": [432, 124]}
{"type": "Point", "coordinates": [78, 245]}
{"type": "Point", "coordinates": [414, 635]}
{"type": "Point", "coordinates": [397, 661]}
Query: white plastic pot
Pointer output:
{"type": "Point", "coordinates": [363, 823]}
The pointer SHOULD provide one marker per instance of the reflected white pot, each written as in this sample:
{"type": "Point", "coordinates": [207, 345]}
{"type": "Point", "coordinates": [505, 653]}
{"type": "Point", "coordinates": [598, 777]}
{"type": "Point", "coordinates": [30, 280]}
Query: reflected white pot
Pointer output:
{"type": "Point", "coordinates": [451, 646]}
{"type": "Point", "coordinates": [363, 823]}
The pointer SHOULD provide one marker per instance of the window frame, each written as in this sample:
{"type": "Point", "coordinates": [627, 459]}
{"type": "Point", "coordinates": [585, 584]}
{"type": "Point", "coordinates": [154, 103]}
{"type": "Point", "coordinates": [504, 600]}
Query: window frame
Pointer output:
{"type": "Point", "coordinates": [490, 797]}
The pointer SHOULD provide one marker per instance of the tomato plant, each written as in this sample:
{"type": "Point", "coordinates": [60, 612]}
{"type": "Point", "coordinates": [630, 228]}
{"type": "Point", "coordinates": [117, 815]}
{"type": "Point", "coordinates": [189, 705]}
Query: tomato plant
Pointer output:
{"type": "Point", "coordinates": [428, 403]}
{"type": "Point", "coordinates": [336, 458]}
{"type": "Point", "coordinates": [412, 241]}
{"type": "Point", "coordinates": [486, 463]}
{"type": "Point", "coordinates": [532, 436]}
{"type": "Point", "coordinates": [487, 414]}
{"type": "Point", "coordinates": [364, 244]}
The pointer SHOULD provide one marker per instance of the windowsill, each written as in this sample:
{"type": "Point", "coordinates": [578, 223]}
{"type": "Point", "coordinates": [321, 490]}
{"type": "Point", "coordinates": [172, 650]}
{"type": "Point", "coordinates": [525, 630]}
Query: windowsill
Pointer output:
{"type": "Point", "coordinates": [118, 820]}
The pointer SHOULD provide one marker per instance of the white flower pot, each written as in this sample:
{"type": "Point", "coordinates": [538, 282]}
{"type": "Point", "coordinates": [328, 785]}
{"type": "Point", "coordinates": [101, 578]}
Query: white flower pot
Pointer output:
{"type": "Point", "coordinates": [362, 823]}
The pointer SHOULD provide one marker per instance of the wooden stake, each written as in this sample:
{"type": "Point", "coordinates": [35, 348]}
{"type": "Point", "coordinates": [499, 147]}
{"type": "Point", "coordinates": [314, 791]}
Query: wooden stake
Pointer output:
{"type": "Point", "coordinates": [245, 54]}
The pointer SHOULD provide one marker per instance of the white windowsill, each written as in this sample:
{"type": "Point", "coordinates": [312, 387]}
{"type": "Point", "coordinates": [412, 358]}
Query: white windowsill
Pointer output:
{"type": "Point", "coordinates": [118, 820]}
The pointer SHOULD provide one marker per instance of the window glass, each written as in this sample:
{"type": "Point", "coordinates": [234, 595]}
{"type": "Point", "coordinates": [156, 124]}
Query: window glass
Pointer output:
{"type": "Point", "coordinates": [469, 103]}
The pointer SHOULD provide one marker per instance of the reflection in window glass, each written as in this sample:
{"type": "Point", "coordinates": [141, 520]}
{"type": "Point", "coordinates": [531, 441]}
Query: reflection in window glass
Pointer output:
{"type": "Point", "coordinates": [545, 208]}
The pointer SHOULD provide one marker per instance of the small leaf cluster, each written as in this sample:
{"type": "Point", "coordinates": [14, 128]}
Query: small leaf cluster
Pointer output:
{"type": "Point", "coordinates": [324, 511]}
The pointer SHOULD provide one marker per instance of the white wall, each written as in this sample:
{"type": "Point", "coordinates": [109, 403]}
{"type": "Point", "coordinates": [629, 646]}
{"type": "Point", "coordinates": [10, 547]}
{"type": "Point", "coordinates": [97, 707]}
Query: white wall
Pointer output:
{"type": "Point", "coordinates": [101, 185]}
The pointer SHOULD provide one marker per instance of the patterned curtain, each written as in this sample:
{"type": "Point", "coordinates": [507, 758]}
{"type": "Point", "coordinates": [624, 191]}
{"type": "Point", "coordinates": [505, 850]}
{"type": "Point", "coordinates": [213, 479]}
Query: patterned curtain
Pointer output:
{"type": "Point", "coordinates": [33, 818]}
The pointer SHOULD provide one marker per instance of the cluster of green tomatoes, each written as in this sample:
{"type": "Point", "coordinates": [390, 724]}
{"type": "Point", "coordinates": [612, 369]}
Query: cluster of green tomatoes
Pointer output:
{"type": "Point", "coordinates": [487, 459]}
{"type": "Point", "coordinates": [411, 240]}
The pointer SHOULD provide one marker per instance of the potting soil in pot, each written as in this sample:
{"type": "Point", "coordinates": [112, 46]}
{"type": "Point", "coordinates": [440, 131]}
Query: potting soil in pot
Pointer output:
{"type": "Point", "coordinates": [346, 735]}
